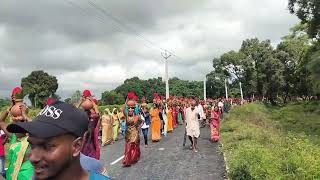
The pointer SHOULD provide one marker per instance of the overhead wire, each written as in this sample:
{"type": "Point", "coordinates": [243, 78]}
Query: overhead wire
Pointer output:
{"type": "Point", "coordinates": [100, 19]}
{"type": "Point", "coordinates": [139, 35]}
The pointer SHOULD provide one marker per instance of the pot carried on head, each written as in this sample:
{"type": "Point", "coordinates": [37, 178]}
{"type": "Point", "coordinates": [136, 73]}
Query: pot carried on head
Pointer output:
{"type": "Point", "coordinates": [87, 104]}
{"type": "Point", "coordinates": [16, 110]}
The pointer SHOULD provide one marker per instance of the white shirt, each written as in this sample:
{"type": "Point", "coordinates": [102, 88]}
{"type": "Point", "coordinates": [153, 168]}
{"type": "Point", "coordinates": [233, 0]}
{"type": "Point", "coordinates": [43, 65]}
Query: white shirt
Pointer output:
{"type": "Point", "coordinates": [144, 126]}
{"type": "Point", "coordinates": [200, 111]}
{"type": "Point", "coordinates": [220, 104]}
{"type": "Point", "coordinates": [192, 127]}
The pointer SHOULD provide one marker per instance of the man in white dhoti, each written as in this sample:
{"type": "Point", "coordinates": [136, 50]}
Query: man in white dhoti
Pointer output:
{"type": "Point", "coordinates": [193, 129]}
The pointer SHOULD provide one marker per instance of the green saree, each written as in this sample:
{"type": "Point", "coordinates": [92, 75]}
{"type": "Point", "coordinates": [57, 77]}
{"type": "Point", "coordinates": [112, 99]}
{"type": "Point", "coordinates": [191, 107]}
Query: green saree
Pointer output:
{"type": "Point", "coordinates": [17, 169]}
{"type": "Point", "coordinates": [180, 118]}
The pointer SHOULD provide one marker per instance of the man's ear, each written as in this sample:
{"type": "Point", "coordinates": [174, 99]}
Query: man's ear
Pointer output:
{"type": "Point", "coordinates": [77, 146]}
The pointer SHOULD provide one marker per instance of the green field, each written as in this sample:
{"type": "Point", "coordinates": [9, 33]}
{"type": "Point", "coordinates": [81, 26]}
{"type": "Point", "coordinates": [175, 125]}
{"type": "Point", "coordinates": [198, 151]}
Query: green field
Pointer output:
{"type": "Point", "coordinates": [267, 142]}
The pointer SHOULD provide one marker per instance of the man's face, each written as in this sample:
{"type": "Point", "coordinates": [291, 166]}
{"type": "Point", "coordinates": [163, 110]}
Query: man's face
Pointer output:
{"type": "Point", "coordinates": [131, 110]}
{"type": "Point", "coordinates": [50, 157]}
{"type": "Point", "coordinates": [193, 104]}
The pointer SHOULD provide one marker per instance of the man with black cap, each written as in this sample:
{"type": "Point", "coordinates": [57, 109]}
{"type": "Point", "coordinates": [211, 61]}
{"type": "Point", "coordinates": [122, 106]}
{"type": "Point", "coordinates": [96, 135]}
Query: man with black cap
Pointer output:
{"type": "Point", "coordinates": [56, 138]}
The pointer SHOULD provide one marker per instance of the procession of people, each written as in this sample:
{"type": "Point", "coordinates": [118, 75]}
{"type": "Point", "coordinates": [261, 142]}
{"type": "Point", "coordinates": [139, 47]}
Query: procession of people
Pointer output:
{"type": "Point", "coordinates": [158, 119]}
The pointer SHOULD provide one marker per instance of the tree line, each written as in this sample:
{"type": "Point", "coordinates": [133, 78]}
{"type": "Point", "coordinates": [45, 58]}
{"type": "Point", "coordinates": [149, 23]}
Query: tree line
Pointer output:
{"type": "Point", "coordinates": [289, 70]}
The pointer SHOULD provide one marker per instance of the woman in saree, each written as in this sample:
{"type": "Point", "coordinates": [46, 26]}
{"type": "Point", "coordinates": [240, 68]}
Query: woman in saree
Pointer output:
{"type": "Point", "coordinates": [170, 120]}
{"type": "Point", "coordinates": [164, 110]}
{"type": "Point", "coordinates": [106, 123]}
{"type": "Point", "coordinates": [156, 117]}
{"type": "Point", "coordinates": [19, 166]}
{"type": "Point", "coordinates": [175, 116]}
{"type": "Point", "coordinates": [91, 146]}
{"type": "Point", "coordinates": [214, 124]}
{"type": "Point", "coordinates": [116, 124]}
{"type": "Point", "coordinates": [132, 138]}
{"type": "Point", "coordinates": [179, 110]}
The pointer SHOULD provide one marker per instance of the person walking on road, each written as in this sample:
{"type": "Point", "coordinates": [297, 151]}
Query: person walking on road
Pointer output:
{"type": "Point", "coordinates": [199, 108]}
{"type": "Point", "coordinates": [170, 119]}
{"type": "Point", "coordinates": [106, 123]}
{"type": "Point", "coordinates": [146, 124]}
{"type": "Point", "coordinates": [214, 124]}
{"type": "Point", "coordinates": [221, 107]}
{"type": "Point", "coordinates": [91, 145]}
{"type": "Point", "coordinates": [193, 129]}
{"type": "Point", "coordinates": [132, 146]}
{"type": "Point", "coordinates": [116, 124]}
{"type": "Point", "coordinates": [156, 117]}
{"type": "Point", "coordinates": [164, 111]}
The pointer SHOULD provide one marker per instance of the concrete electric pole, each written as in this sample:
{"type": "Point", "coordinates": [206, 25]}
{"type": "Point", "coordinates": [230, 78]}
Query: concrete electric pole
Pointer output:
{"type": "Point", "coordinates": [166, 55]}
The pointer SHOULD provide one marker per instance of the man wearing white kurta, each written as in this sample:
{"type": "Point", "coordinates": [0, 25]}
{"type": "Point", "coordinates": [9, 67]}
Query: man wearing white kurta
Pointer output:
{"type": "Point", "coordinates": [201, 116]}
{"type": "Point", "coordinates": [193, 129]}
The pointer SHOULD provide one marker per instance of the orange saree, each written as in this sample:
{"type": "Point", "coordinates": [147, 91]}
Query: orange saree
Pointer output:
{"type": "Point", "coordinates": [155, 125]}
{"type": "Point", "coordinates": [170, 122]}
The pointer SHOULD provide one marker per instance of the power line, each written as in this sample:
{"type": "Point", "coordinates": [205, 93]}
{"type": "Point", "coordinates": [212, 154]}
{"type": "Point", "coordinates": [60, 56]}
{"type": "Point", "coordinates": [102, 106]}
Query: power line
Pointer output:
{"type": "Point", "coordinates": [105, 13]}
{"type": "Point", "coordinates": [100, 19]}
{"type": "Point", "coordinates": [109, 15]}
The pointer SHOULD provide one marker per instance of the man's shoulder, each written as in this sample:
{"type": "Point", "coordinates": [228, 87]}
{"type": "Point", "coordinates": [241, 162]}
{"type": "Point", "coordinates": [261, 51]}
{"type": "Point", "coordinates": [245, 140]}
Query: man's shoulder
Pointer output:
{"type": "Point", "coordinates": [90, 163]}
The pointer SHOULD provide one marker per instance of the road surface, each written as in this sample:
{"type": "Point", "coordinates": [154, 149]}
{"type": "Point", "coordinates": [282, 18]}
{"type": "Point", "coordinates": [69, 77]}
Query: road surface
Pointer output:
{"type": "Point", "coordinates": [168, 159]}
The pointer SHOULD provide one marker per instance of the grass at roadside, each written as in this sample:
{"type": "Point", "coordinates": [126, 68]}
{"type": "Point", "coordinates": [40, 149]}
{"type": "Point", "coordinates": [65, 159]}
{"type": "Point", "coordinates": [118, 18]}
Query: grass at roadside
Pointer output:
{"type": "Point", "coordinates": [261, 142]}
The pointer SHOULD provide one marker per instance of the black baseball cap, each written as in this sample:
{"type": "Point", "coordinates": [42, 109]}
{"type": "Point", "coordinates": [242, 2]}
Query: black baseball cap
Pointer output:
{"type": "Point", "coordinates": [58, 118]}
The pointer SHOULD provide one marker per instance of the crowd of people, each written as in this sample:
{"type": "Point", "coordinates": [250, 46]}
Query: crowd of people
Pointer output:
{"type": "Point", "coordinates": [63, 139]}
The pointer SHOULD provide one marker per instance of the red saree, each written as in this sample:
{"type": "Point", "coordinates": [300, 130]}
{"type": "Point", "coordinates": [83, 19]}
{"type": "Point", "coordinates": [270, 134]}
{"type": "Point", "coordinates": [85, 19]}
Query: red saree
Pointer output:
{"type": "Point", "coordinates": [91, 145]}
{"type": "Point", "coordinates": [132, 146]}
{"type": "Point", "coordinates": [214, 125]}
{"type": "Point", "coordinates": [175, 117]}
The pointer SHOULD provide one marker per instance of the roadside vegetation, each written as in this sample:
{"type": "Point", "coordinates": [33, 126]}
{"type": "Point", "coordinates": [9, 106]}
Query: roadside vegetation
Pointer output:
{"type": "Point", "coordinates": [273, 142]}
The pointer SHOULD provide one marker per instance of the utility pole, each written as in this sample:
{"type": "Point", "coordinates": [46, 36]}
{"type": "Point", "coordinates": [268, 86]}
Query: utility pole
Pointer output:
{"type": "Point", "coordinates": [166, 55]}
{"type": "Point", "coordinates": [205, 89]}
{"type": "Point", "coordinates": [241, 93]}
{"type": "Point", "coordinates": [226, 88]}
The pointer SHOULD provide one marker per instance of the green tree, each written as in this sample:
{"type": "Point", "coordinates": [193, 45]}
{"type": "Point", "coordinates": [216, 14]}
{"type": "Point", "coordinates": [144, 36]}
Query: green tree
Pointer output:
{"type": "Point", "coordinates": [273, 78]}
{"type": "Point", "coordinates": [313, 67]}
{"type": "Point", "coordinates": [40, 86]}
{"type": "Point", "coordinates": [308, 11]}
{"type": "Point", "coordinates": [75, 98]}
{"type": "Point", "coordinates": [112, 97]}
{"type": "Point", "coordinates": [292, 53]}
{"type": "Point", "coordinates": [4, 102]}
{"type": "Point", "coordinates": [257, 53]}
{"type": "Point", "coordinates": [215, 85]}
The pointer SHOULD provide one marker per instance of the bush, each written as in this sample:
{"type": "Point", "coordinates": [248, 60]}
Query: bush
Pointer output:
{"type": "Point", "coordinates": [257, 149]}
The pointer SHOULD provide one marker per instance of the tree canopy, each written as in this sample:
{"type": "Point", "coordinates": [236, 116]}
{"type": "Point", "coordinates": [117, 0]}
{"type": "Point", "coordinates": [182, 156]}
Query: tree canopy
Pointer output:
{"type": "Point", "coordinates": [40, 86]}
{"type": "Point", "coordinates": [289, 70]}
{"type": "Point", "coordinates": [308, 11]}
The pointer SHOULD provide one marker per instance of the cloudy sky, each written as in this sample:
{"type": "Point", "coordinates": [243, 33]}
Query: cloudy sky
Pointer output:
{"type": "Point", "coordinates": [97, 44]}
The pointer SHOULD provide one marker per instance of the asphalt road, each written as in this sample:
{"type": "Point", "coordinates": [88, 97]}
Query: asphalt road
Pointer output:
{"type": "Point", "coordinates": [168, 159]}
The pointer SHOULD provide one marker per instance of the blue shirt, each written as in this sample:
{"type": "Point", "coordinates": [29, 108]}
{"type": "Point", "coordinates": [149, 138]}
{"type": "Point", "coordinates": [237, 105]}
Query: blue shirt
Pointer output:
{"type": "Point", "coordinates": [91, 164]}
{"type": "Point", "coordinates": [96, 176]}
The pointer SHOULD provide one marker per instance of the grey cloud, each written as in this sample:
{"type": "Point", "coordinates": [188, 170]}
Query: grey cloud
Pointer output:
{"type": "Point", "coordinates": [62, 39]}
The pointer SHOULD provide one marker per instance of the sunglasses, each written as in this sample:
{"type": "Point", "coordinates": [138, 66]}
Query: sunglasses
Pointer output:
{"type": "Point", "coordinates": [131, 107]}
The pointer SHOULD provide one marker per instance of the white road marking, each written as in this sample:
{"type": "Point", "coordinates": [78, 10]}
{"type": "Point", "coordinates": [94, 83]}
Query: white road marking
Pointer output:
{"type": "Point", "coordinates": [161, 149]}
{"type": "Point", "coordinates": [119, 159]}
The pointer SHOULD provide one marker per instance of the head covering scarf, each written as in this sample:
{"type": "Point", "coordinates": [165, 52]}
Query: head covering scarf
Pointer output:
{"type": "Point", "coordinates": [87, 93]}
